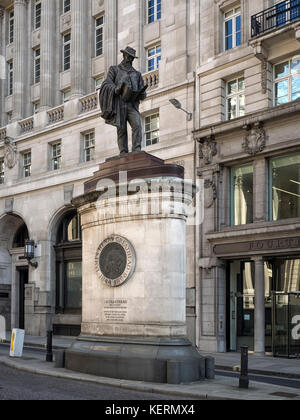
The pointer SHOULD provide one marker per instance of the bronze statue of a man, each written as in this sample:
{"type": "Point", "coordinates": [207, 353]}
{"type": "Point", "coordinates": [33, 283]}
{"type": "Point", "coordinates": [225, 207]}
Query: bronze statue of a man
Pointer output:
{"type": "Point", "coordinates": [120, 95]}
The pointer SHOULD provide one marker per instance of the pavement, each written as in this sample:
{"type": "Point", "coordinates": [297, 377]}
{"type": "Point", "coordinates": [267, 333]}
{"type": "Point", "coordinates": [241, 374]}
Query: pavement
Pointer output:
{"type": "Point", "coordinates": [219, 388]}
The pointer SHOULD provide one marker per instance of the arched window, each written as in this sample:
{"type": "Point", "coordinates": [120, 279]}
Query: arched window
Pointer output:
{"type": "Point", "coordinates": [21, 236]}
{"type": "Point", "coordinates": [69, 265]}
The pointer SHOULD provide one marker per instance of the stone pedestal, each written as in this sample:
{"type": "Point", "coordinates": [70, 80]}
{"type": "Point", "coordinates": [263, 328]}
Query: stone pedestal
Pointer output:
{"type": "Point", "coordinates": [133, 217]}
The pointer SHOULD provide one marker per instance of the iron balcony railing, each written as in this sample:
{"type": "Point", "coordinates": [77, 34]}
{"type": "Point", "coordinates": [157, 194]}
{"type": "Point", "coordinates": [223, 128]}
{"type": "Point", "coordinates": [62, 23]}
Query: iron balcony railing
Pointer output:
{"type": "Point", "coordinates": [275, 17]}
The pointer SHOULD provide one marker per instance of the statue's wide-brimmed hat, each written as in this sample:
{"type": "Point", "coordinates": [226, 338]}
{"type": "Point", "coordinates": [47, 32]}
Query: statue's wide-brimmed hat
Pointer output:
{"type": "Point", "coordinates": [130, 51]}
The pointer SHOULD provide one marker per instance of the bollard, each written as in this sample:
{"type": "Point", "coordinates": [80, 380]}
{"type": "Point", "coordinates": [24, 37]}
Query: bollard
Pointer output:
{"type": "Point", "coordinates": [49, 354]}
{"type": "Point", "coordinates": [244, 379]}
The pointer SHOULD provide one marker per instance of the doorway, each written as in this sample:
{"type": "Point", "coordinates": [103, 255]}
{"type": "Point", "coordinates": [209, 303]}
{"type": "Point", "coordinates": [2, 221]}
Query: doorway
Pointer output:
{"type": "Point", "coordinates": [23, 280]}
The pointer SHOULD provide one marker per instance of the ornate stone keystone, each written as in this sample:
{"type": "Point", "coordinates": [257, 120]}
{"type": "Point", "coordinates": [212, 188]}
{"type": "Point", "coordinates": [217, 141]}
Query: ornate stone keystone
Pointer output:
{"type": "Point", "coordinates": [207, 149]}
{"type": "Point", "coordinates": [255, 139]}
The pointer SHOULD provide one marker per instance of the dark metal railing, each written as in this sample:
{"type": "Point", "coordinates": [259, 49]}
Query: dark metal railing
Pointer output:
{"type": "Point", "coordinates": [275, 17]}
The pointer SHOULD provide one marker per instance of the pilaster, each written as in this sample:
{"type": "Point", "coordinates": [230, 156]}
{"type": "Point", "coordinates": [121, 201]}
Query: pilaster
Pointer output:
{"type": "Point", "coordinates": [111, 33]}
{"type": "Point", "coordinates": [79, 43]}
{"type": "Point", "coordinates": [259, 311]}
{"type": "Point", "coordinates": [20, 59]}
{"type": "Point", "coordinates": [48, 56]}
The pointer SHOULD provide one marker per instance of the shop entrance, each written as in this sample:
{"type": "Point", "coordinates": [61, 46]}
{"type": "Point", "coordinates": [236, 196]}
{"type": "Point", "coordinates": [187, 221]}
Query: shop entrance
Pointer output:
{"type": "Point", "coordinates": [286, 324]}
{"type": "Point", "coordinates": [282, 305]}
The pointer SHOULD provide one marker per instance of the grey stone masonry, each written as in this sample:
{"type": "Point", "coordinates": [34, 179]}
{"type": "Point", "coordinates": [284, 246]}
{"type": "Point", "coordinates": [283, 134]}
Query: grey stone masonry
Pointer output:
{"type": "Point", "coordinates": [20, 59]}
{"type": "Point", "coordinates": [48, 33]}
{"type": "Point", "coordinates": [79, 56]}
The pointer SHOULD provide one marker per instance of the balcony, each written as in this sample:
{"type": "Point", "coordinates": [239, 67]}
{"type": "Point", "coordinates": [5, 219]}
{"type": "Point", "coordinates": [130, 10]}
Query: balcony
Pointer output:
{"type": "Point", "coordinates": [275, 17]}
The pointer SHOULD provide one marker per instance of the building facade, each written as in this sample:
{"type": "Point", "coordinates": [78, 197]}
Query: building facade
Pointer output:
{"type": "Point", "coordinates": [236, 66]}
{"type": "Point", "coordinates": [249, 155]}
{"type": "Point", "coordinates": [54, 56]}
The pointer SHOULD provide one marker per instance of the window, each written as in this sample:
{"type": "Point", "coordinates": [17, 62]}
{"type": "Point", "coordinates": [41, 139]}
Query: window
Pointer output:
{"type": "Point", "coordinates": [26, 172]}
{"type": "Point", "coordinates": [20, 237]}
{"type": "Point", "coordinates": [69, 265]}
{"type": "Point", "coordinates": [153, 58]}
{"type": "Point", "coordinates": [11, 24]}
{"type": "Point", "coordinates": [10, 78]}
{"type": "Point", "coordinates": [287, 11]}
{"type": "Point", "coordinates": [2, 171]}
{"type": "Point", "coordinates": [37, 65]}
{"type": "Point", "coordinates": [56, 156]}
{"type": "Point", "coordinates": [9, 117]}
{"type": "Point", "coordinates": [36, 107]}
{"type": "Point", "coordinates": [66, 95]}
{"type": "Point", "coordinates": [99, 35]}
{"type": "Point", "coordinates": [66, 6]}
{"type": "Point", "coordinates": [98, 82]}
{"type": "Point", "coordinates": [233, 28]}
{"type": "Point", "coordinates": [67, 51]}
{"type": "Point", "coordinates": [242, 195]}
{"type": "Point", "coordinates": [37, 14]}
{"type": "Point", "coordinates": [153, 10]}
{"type": "Point", "coordinates": [89, 146]}
{"type": "Point", "coordinates": [235, 98]}
{"type": "Point", "coordinates": [152, 129]}
{"type": "Point", "coordinates": [287, 81]}
{"type": "Point", "coordinates": [285, 187]}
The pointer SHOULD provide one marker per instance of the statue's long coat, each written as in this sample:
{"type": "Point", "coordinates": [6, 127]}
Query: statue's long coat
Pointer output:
{"type": "Point", "coordinates": [113, 107]}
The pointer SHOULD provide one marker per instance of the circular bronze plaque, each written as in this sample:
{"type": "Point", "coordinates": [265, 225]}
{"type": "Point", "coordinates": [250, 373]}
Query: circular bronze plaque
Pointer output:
{"type": "Point", "coordinates": [115, 261]}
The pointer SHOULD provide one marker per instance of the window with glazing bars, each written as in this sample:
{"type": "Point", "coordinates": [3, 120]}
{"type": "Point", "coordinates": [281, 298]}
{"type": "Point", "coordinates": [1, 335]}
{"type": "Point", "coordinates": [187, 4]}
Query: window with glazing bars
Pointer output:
{"type": "Point", "coordinates": [153, 57]}
{"type": "Point", "coordinates": [10, 78]}
{"type": "Point", "coordinates": [99, 35]}
{"type": "Point", "coordinates": [1, 171]}
{"type": "Point", "coordinates": [27, 164]}
{"type": "Point", "coordinates": [153, 10]}
{"type": "Point", "coordinates": [37, 65]}
{"type": "Point", "coordinates": [37, 14]}
{"type": "Point", "coordinates": [152, 129]}
{"type": "Point", "coordinates": [11, 24]}
{"type": "Point", "coordinates": [89, 146]}
{"type": "Point", "coordinates": [287, 81]}
{"type": "Point", "coordinates": [66, 6]}
{"type": "Point", "coordinates": [56, 156]}
{"type": "Point", "coordinates": [67, 51]}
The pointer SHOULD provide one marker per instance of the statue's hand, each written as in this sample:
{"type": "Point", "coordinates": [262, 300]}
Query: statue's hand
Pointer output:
{"type": "Point", "coordinates": [118, 91]}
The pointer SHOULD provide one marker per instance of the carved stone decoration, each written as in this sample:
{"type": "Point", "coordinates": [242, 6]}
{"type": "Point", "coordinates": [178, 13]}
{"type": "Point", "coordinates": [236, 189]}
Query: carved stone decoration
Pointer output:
{"type": "Point", "coordinates": [255, 139]}
{"type": "Point", "coordinates": [211, 193]}
{"type": "Point", "coordinates": [207, 149]}
{"type": "Point", "coordinates": [1, 12]}
{"type": "Point", "coordinates": [115, 261]}
{"type": "Point", "coordinates": [264, 76]}
{"type": "Point", "coordinates": [10, 153]}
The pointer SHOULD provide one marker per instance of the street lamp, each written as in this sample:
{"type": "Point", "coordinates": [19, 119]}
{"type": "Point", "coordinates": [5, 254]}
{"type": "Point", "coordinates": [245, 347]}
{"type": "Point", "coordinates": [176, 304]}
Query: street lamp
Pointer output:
{"type": "Point", "coordinates": [29, 252]}
{"type": "Point", "coordinates": [178, 105]}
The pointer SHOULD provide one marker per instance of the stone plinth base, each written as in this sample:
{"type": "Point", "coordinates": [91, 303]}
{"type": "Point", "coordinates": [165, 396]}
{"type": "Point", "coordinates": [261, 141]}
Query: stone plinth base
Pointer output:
{"type": "Point", "coordinates": [159, 360]}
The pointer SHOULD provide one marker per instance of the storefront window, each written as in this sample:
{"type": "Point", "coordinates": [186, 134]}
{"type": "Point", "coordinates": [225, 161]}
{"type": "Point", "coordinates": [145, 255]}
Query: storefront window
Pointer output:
{"type": "Point", "coordinates": [285, 187]}
{"type": "Point", "coordinates": [242, 195]}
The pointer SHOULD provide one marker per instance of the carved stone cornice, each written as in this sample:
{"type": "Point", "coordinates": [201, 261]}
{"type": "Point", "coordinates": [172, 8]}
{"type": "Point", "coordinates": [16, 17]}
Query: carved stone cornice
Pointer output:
{"type": "Point", "coordinates": [255, 139]}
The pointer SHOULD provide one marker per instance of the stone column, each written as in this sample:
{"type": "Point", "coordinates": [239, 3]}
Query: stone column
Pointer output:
{"type": "Point", "coordinates": [20, 59]}
{"type": "Point", "coordinates": [259, 312]}
{"type": "Point", "coordinates": [48, 54]}
{"type": "Point", "coordinates": [79, 42]}
{"type": "Point", "coordinates": [2, 67]}
{"type": "Point", "coordinates": [260, 191]}
{"type": "Point", "coordinates": [111, 33]}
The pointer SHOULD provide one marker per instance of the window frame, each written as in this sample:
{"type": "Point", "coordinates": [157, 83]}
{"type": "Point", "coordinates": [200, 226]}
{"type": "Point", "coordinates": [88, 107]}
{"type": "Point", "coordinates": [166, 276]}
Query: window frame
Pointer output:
{"type": "Point", "coordinates": [26, 164]}
{"type": "Point", "coordinates": [37, 14]}
{"type": "Point", "coordinates": [66, 6]}
{"type": "Point", "coordinates": [37, 65]}
{"type": "Point", "coordinates": [288, 77]}
{"type": "Point", "coordinates": [11, 26]}
{"type": "Point", "coordinates": [89, 148]}
{"type": "Point", "coordinates": [2, 171]}
{"type": "Point", "coordinates": [156, 56]}
{"type": "Point", "coordinates": [232, 193]}
{"type": "Point", "coordinates": [150, 141]}
{"type": "Point", "coordinates": [66, 52]}
{"type": "Point", "coordinates": [236, 95]}
{"type": "Point", "coordinates": [57, 157]}
{"type": "Point", "coordinates": [156, 15]}
{"type": "Point", "coordinates": [232, 17]}
{"type": "Point", "coordinates": [99, 50]}
{"type": "Point", "coordinates": [10, 79]}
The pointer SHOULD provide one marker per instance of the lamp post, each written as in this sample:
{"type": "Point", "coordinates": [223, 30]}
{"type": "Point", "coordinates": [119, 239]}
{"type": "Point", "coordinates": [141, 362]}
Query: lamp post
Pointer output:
{"type": "Point", "coordinates": [178, 105]}
{"type": "Point", "coordinates": [29, 252]}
